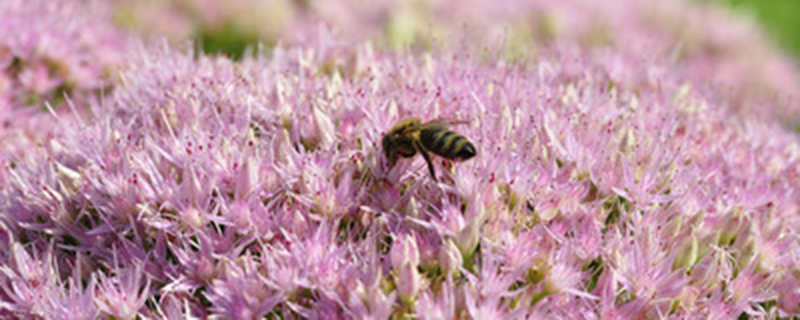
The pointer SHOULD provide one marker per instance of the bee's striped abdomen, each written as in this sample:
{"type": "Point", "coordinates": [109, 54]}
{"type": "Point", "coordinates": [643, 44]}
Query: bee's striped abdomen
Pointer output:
{"type": "Point", "coordinates": [447, 144]}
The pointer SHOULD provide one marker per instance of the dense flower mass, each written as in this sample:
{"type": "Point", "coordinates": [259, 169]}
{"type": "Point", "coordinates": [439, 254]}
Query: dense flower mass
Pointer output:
{"type": "Point", "coordinates": [606, 185]}
{"type": "Point", "coordinates": [603, 187]}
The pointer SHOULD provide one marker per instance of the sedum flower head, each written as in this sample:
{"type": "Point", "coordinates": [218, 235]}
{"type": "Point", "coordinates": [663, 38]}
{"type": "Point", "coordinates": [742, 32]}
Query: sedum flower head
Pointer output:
{"type": "Point", "coordinates": [604, 186]}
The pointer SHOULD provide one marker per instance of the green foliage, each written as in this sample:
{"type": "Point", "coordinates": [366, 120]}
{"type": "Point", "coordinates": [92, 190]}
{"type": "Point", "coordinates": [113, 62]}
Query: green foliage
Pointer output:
{"type": "Point", "coordinates": [227, 41]}
{"type": "Point", "coordinates": [779, 17]}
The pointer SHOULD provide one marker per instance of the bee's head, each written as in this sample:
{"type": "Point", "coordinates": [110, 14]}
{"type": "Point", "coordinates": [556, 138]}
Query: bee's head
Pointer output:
{"type": "Point", "coordinates": [394, 147]}
{"type": "Point", "coordinates": [397, 143]}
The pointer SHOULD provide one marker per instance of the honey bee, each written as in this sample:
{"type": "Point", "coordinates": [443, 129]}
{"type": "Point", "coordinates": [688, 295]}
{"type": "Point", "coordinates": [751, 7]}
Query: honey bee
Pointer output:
{"type": "Point", "coordinates": [411, 136]}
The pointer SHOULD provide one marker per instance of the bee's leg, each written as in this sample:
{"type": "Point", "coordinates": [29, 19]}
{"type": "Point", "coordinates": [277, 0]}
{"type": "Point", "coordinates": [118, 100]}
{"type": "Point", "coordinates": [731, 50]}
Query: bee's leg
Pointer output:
{"type": "Point", "coordinates": [427, 159]}
{"type": "Point", "coordinates": [390, 162]}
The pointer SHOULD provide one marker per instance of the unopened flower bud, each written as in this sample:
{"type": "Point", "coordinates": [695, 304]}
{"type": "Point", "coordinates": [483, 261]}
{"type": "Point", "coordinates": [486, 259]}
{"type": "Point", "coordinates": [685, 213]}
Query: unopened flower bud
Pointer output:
{"type": "Point", "coordinates": [408, 282]}
{"type": "Point", "coordinates": [450, 258]}
{"type": "Point", "coordinates": [404, 251]}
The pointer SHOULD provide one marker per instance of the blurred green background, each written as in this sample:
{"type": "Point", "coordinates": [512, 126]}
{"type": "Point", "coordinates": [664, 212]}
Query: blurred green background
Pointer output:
{"type": "Point", "coordinates": [780, 17]}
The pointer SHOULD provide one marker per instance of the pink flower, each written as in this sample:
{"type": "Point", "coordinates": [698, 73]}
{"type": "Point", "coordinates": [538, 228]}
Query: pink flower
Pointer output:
{"type": "Point", "coordinates": [241, 292]}
{"type": "Point", "coordinates": [124, 294]}
{"type": "Point", "coordinates": [73, 299]}
{"type": "Point", "coordinates": [25, 282]}
{"type": "Point", "coordinates": [439, 305]}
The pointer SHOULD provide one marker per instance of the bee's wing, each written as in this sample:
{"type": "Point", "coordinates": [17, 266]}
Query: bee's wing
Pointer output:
{"type": "Point", "coordinates": [405, 133]}
{"type": "Point", "coordinates": [443, 123]}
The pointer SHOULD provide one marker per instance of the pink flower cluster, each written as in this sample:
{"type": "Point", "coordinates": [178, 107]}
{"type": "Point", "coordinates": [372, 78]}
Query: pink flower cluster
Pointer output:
{"type": "Point", "coordinates": [49, 49]}
{"type": "Point", "coordinates": [606, 185]}
{"type": "Point", "coordinates": [603, 187]}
